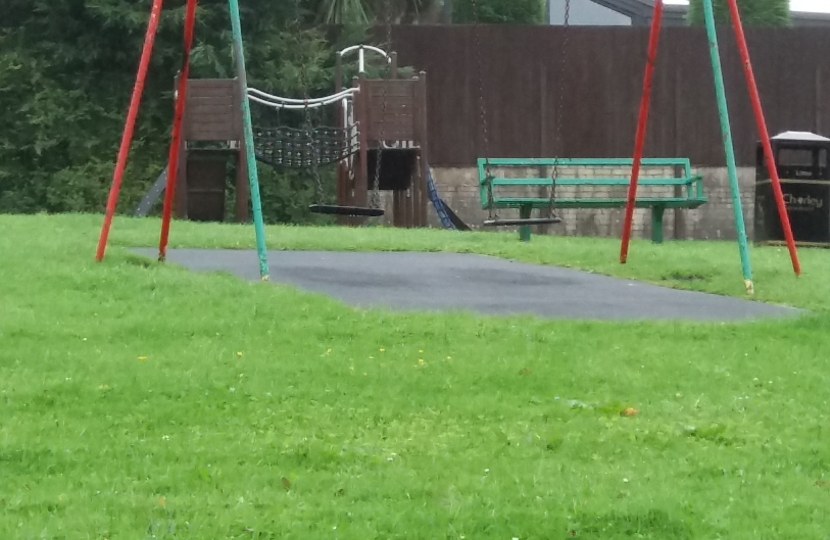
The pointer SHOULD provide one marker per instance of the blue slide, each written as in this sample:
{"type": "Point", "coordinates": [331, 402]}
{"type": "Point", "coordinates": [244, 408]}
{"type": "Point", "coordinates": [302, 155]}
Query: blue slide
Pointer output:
{"type": "Point", "coordinates": [152, 195]}
{"type": "Point", "coordinates": [449, 219]}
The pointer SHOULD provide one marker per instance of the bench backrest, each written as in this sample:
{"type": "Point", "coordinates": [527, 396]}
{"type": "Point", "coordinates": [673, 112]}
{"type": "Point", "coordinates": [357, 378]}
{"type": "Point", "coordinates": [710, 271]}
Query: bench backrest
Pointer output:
{"type": "Point", "coordinates": [684, 163]}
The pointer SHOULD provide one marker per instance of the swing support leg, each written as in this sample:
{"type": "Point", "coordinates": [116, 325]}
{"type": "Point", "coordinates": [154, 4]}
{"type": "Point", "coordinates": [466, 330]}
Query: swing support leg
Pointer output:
{"type": "Point", "coordinates": [524, 230]}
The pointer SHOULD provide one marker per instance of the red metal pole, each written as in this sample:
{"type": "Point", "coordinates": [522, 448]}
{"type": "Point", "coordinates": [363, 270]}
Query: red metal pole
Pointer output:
{"type": "Point", "coordinates": [764, 134]}
{"type": "Point", "coordinates": [642, 124]}
{"type": "Point", "coordinates": [173, 158]}
{"type": "Point", "coordinates": [127, 136]}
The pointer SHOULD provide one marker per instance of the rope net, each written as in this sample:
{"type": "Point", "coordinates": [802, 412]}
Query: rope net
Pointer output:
{"type": "Point", "coordinates": [299, 137]}
{"type": "Point", "coordinates": [291, 147]}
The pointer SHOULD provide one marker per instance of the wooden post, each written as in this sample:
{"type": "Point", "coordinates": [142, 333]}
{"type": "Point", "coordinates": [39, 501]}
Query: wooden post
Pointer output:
{"type": "Point", "coordinates": [351, 181]}
{"type": "Point", "coordinates": [242, 189]}
{"type": "Point", "coordinates": [818, 100]}
{"type": "Point", "coordinates": [181, 185]}
{"type": "Point", "coordinates": [398, 195]}
{"type": "Point", "coordinates": [361, 185]}
{"type": "Point", "coordinates": [420, 110]}
{"type": "Point", "coordinates": [398, 201]}
{"type": "Point", "coordinates": [180, 199]}
{"type": "Point", "coordinates": [407, 207]}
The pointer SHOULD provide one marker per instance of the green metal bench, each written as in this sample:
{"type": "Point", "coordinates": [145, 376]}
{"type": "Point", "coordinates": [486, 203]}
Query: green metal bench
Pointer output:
{"type": "Point", "coordinates": [691, 195]}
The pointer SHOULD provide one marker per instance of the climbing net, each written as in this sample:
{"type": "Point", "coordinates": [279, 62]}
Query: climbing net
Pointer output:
{"type": "Point", "coordinates": [277, 143]}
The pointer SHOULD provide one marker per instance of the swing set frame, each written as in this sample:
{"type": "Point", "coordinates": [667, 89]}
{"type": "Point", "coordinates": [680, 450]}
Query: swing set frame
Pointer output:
{"type": "Point", "coordinates": [407, 134]}
{"type": "Point", "coordinates": [631, 201]}
{"type": "Point", "coordinates": [173, 157]}
{"type": "Point", "coordinates": [726, 132]}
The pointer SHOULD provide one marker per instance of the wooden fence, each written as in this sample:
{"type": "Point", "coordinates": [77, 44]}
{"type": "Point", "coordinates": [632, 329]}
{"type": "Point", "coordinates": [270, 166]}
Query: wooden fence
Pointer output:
{"type": "Point", "coordinates": [600, 87]}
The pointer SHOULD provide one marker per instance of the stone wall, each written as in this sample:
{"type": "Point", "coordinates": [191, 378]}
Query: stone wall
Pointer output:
{"type": "Point", "coordinates": [714, 220]}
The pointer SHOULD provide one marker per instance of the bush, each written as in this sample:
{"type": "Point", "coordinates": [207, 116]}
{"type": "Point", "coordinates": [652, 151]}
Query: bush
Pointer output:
{"type": "Point", "coordinates": [66, 73]}
{"type": "Point", "coordinates": [499, 11]}
{"type": "Point", "coordinates": [753, 12]}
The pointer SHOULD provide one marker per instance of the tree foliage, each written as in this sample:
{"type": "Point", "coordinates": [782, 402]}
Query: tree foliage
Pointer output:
{"type": "Point", "coordinates": [753, 12]}
{"type": "Point", "coordinates": [67, 71]}
{"type": "Point", "coordinates": [377, 11]}
{"type": "Point", "coordinates": [499, 11]}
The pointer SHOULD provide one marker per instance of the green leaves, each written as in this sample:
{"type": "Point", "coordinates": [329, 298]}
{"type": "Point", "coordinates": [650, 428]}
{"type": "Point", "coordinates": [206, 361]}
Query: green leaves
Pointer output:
{"type": "Point", "coordinates": [67, 70]}
{"type": "Point", "coordinates": [364, 12]}
{"type": "Point", "coordinates": [753, 12]}
{"type": "Point", "coordinates": [499, 11]}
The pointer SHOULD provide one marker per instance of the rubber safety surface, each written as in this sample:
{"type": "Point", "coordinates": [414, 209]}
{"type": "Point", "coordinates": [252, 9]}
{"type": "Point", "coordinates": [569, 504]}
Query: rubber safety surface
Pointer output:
{"type": "Point", "coordinates": [489, 285]}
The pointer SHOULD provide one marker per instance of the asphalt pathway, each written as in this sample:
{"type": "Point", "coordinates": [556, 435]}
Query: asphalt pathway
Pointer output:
{"type": "Point", "coordinates": [448, 281]}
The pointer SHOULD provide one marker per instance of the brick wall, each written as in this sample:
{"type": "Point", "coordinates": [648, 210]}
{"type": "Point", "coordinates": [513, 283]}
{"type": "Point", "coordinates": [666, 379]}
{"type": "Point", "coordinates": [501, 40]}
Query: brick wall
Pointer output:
{"type": "Point", "coordinates": [714, 220]}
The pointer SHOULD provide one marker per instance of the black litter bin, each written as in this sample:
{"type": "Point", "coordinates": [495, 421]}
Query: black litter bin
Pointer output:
{"type": "Point", "coordinates": [802, 164]}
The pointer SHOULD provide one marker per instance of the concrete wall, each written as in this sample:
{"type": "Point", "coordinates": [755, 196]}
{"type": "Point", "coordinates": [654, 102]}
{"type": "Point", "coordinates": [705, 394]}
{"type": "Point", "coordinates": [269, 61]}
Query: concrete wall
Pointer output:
{"type": "Point", "coordinates": [714, 220]}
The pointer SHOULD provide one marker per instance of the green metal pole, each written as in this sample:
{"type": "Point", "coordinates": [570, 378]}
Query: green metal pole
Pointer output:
{"type": "Point", "coordinates": [524, 230]}
{"type": "Point", "coordinates": [248, 131]}
{"type": "Point", "coordinates": [726, 132]}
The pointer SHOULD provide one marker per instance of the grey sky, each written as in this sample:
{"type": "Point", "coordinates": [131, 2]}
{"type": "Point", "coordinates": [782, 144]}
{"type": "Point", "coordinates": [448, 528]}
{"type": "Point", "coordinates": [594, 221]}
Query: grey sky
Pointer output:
{"type": "Point", "coordinates": [822, 6]}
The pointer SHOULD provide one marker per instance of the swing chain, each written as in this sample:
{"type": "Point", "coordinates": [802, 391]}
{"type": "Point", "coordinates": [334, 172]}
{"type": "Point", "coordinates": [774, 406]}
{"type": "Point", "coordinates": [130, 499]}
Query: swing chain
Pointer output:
{"type": "Point", "coordinates": [482, 110]}
{"type": "Point", "coordinates": [308, 127]}
{"type": "Point", "coordinates": [314, 158]}
{"type": "Point", "coordinates": [560, 103]}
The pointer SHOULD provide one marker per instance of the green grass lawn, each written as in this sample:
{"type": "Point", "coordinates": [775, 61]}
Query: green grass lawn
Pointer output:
{"type": "Point", "coordinates": [144, 401]}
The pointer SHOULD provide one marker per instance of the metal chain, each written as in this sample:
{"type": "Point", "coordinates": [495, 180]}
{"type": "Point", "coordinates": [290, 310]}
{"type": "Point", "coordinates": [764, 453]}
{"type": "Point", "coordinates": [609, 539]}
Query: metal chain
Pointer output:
{"type": "Point", "coordinates": [308, 128]}
{"type": "Point", "coordinates": [376, 184]}
{"type": "Point", "coordinates": [315, 158]}
{"type": "Point", "coordinates": [560, 104]}
{"type": "Point", "coordinates": [387, 10]}
{"type": "Point", "coordinates": [482, 108]}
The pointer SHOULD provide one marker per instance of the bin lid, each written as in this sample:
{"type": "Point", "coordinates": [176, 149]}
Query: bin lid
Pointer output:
{"type": "Point", "coordinates": [800, 136]}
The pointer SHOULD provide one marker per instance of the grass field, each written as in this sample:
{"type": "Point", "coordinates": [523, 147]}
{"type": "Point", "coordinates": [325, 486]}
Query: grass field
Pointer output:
{"type": "Point", "coordinates": [139, 400]}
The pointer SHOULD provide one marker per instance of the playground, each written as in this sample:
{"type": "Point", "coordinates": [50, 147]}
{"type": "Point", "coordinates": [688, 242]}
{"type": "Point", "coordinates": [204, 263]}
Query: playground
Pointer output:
{"type": "Point", "coordinates": [257, 381]}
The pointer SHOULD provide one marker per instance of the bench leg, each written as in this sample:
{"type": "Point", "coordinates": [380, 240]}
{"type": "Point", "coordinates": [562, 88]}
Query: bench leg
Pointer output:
{"type": "Point", "coordinates": [524, 230]}
{"type": "Point", "coordinates": [657, 224]}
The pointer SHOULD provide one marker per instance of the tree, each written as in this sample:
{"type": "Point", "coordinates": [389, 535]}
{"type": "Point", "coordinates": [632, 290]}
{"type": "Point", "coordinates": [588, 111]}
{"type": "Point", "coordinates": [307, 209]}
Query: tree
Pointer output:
{"type": "Point", "coordinates": [66, 72]}
{"type": "Point", "coordinates": [366, 12]}
{"type": "Point", "coordinates": [499, 11]}
{"type": "Point", "coordinates": [753, 12]}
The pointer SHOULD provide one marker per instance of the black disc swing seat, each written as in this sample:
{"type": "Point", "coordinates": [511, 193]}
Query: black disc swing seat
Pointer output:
{"type": "Point", "coordinates": [310, 147]}
{"type": "Point", "coordinates": [333, 209]}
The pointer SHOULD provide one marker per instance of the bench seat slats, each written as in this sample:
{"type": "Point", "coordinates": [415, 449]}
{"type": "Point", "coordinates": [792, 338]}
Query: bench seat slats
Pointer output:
{"type": "Point", "coordinates": [640, 202]}
{"type": "Point", "coordinates": [684, 181]}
